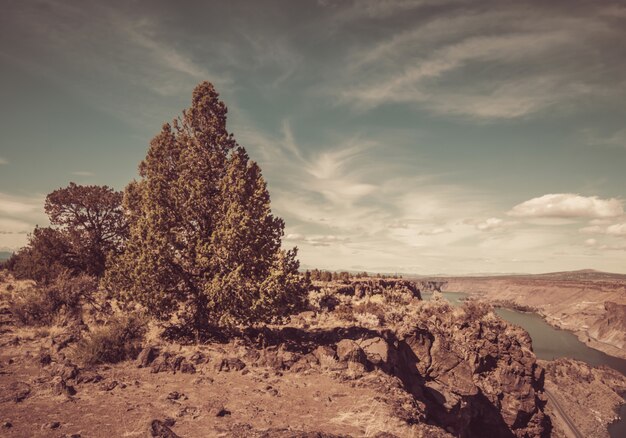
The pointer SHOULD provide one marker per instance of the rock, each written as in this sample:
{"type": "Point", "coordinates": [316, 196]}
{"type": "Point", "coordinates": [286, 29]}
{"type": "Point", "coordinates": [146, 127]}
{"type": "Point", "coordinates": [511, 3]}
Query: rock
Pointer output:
{"type": "Point", "coordinates": [326, 356]}
{"type": "Point", "coordinates": [147, 356]}
{"type": "Point", "coordinates": [51, 425]}
{"type": "Point", "coordinates": [349, 351]}
{"type": "Point", "coordinates": [44, 358]}
{"type": "Point", "coordinates": [215, 408]}
{"type": "Point", "coordinates": [109, 386]}
{"type": "Point", "coordinates": [197, 358]}
{"type": "Point", "coordinates": [164, 362]}
{"type": "Point", "coordinates": [60, 387]}
{"type": "Point", "coordinates": [62, 340]}
{"type": "Point", "coordinates": [158, 429]}
{"type": "Point", "coordinates": [175, 395]}
{"type": "Point", "coordinates": [66, 371]}
{"type": "Point", "coordinates": [187, 368]}
{"type": "Point", "coordinates": [15, 391]}
{"type": "Point", "coordinates": [378, 352]}
{"type": "Point", "coordinates": [230, 364]}
{"type": "Point", "coordinates": [88, 377]}
{"type": "Point", "coordinates": [7, 425]}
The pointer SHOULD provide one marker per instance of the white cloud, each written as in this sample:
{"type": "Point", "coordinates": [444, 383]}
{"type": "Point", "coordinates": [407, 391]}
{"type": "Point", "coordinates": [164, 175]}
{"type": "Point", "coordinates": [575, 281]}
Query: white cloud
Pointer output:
{"type": "Point", "coordinates": [616, 229]}
{"type": "Point", "coordinates": [568, 205]}
{"type": "Point", "coordinates": [3, 161]}
{"type": "Point", "coordinates": [590, 242]}
{"type": "Point", "coordinates": [82, 173]}
{"type": "Point", "coordinates": [493, 223]}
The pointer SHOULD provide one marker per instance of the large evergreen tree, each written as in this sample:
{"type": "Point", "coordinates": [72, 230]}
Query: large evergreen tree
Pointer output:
{"type": "Point", "coordinates": [203, 244]}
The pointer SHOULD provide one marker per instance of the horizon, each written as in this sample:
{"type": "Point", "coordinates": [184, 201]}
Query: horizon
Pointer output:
{"type": "Point", "coordinates": [414, 137]}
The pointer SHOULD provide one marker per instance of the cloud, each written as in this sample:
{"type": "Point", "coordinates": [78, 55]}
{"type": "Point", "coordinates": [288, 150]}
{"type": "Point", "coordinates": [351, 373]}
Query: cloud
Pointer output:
{"type": "Point", "coordinates": [568, 205]}
{"type": "Point", "coordinates": [590, 242]}
{"type": "Point", "coordinates": [321, 240]}
{"type": "Point", "coordinates": [490, 224]}
{"type": "Point", "coordinates": [3, 161]}
{"type": "Point", "coordinates": [83, 173]}
{"type": "Point", "coordinates": [501, 62]}
{"type": "Point", "coordinates": [616, 229]}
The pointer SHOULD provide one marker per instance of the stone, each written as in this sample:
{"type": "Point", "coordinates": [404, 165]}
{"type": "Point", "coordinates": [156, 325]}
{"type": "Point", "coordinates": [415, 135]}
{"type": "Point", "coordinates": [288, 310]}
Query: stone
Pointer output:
{"type": "Point", "coordinates": [147, 356]}
{"type": "Point", "coordinates": [215, 408]}
{"type": "Point", "coordinates": [109, 386]}
{"type": "Point", "coordinates": [230, 364]}
{"type": "Point", "coordinates": [158, 429]}
{"type": "Point", "coordinates": [377, 351]}
{"type": "Point", "coordinates": [349, 351]}
{"type": "Point", "coordinates": [66, 371]}
{"type": "Point", "coordinates": [60, 387]}
{"type": "Point", "coordinates": [187, 368]}
{"type": "Point", "coordinates": [326, 356]}
{"type": "Point", "coordinates": [15, 391]}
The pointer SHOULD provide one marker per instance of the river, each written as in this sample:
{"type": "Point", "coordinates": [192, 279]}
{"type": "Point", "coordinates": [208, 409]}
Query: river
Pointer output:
{"type": "Point", "coordinates": [551, 343]}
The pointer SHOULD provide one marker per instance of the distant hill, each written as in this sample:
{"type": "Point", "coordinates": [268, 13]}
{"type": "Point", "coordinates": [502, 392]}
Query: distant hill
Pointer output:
{"type": "Point", "coordinates": [5, 255]}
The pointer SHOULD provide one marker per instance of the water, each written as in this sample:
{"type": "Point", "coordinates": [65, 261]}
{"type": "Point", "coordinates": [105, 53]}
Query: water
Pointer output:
{"type": "Point", "coordinates": [551, 343]}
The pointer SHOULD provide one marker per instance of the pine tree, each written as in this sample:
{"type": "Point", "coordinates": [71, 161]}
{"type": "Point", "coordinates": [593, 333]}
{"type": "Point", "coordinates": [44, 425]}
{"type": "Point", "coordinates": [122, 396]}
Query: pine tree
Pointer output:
{"type": "Point", "coordinates": [203, 244]}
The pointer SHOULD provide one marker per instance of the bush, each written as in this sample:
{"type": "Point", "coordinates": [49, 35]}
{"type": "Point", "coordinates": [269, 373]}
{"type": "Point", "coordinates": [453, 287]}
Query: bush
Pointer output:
{"type": "Point", "coordinates": [56, 302]}
{"type": "Point", "coordinates": [119, 340]}
{"type": "Point", "coordinates": [476, 310]}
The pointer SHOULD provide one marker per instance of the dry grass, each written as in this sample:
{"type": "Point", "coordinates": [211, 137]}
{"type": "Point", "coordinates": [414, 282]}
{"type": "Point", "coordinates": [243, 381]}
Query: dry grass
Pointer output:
{"type": "Point", "coordinates": [120, 339]}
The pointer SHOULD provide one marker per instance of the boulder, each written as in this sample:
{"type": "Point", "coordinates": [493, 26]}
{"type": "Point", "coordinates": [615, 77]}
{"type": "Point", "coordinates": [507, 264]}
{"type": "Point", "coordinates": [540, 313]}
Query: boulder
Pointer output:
{"type": "Point", "coordinates": [60, 387]}
{"type": "Point", "coordinates": [147, 356]}
{"type": "Point", "coordinates": [230, 364]}
{"type": "Point", "coordinates": [378, 352]}
{"type": "Point", "coordinates": [158, 429]}
{"type": "Point", "coordinates": [349, 351]}
{"type": "Point", "coordinates": [326, 356]}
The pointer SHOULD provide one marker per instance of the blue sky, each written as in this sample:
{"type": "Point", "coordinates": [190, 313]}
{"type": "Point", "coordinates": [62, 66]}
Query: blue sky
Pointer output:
{"type": "Point", "coordinates": [422, 136]}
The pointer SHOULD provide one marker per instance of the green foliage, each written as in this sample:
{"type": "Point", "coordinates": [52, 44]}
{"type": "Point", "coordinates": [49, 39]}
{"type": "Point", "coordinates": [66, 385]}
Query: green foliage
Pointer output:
{"type": "Point", "coordinates": [203, 243]}
{"type": "Point", "coordinates": [44, 305]}
{"type": "Point", "coordinates": [119, 340]}
{"type": "Point", "coordinates": [46, 256]}
{"type": "Point", "coordinates": [88, 225]}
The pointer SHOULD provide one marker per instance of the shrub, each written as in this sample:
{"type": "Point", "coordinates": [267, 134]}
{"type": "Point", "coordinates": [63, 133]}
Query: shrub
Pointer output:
{"type": "Point", "coordinates": [119, 340]}
{"type": "Point", "coordinates": [43, 305]}
{"type": "Point", "coordinates": [372, 310]}
{"type": "Point", "coordinates": [476, 310]}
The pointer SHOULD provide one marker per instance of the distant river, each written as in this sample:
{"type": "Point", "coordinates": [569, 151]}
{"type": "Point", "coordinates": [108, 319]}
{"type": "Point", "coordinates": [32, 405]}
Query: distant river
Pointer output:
{"type": "Point", "coordinates": [551, 343]}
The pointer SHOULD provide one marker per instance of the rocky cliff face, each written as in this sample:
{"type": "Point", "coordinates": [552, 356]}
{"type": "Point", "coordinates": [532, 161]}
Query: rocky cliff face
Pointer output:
{"type": "Point", "coordinates": [476, 377]}
{"type": "Point", "coordinates": [467, 371]}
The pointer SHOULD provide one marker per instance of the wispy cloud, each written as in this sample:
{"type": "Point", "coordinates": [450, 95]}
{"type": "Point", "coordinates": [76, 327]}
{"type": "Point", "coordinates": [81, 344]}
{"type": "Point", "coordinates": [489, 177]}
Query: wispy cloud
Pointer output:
{"type": "Point", "coordinates": [568, 205]}
{"type": "Point", "coordinates": [83, 173]}
{"type": "Point", "coordinates": [440, 63]}
{"type": "Point", "coordinates": [3, 161]}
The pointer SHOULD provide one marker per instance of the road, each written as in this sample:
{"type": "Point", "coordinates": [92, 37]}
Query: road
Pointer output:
{"type": "Point", "coordinates": [565, 419]}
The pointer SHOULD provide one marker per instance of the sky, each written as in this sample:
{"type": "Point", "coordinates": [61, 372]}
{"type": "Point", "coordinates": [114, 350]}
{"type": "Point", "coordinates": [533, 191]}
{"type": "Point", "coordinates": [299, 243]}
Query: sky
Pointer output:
{"type": "Point", "coordinates": [426, 136]}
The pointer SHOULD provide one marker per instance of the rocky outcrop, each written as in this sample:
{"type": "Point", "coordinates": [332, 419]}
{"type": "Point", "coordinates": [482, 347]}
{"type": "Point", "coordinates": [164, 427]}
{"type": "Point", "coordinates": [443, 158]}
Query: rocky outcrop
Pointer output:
{"type": "Point", "coordinates": [478, 379]}
{"type": "Point", "coordinates": [375, 286]}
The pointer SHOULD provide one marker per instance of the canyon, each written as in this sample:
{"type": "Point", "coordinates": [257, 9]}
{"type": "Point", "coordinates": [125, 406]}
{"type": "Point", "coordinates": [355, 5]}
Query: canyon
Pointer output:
{"type": "Point", "coordinates": [589, 303]}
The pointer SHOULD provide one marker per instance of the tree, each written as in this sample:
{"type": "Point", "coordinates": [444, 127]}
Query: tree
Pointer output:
{"type": "Point", "coordinates": [88, 225]}
{"type": "Point", "coordinates": [45, 257]}
{"type": "Point", "coordinates": [92, 220]}
{"type": "Point", "coordinates": [203, 243]}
